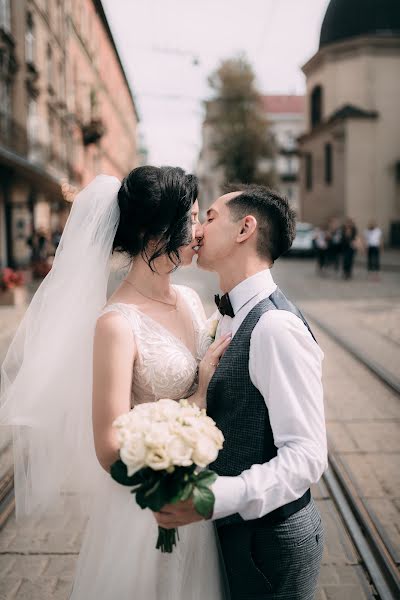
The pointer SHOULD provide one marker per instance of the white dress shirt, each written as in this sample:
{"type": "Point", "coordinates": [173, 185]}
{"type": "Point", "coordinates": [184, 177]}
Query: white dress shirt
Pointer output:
{"type": "Point", "coordinates": [285, 366]}
{"type": "Point", "coordinates": [373, 237]}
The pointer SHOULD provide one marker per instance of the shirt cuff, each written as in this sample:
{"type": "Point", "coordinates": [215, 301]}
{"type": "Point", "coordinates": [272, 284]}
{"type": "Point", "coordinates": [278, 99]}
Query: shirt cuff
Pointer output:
{"type": "Point", "coordinates": [229, 495]}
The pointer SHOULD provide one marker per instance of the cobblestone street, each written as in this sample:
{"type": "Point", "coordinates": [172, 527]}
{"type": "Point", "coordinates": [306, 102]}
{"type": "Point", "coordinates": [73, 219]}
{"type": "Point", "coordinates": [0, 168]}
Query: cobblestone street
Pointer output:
{"type": "Point", "coordinates": [363, 420]}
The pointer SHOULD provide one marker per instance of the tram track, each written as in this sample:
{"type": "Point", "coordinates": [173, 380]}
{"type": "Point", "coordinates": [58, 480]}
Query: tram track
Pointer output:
{"type": "Point", "coordinates": [7, 499]}
{"type": "Point", "coordinates": [376, 552]}
{"type": "Point", "coordinates": [377, 557]}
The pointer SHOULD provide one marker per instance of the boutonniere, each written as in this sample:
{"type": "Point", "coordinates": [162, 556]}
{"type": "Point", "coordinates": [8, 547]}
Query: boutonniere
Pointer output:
{"type": "Point", "coordinates": [212, 328]}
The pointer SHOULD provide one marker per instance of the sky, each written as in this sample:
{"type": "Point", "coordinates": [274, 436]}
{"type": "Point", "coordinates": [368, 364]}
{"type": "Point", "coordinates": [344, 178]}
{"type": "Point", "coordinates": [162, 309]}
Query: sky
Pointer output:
{"type": "Point", "coordinates": [170, 47]}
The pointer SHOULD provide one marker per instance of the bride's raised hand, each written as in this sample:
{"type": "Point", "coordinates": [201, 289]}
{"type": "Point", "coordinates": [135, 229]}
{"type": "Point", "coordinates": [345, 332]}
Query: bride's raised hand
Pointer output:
{"type": "Point", "coordinates": [211, 360]}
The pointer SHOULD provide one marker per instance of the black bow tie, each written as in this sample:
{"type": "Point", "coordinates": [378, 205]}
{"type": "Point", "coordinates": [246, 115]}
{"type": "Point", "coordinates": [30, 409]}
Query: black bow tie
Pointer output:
{"type": "Point", "coordinates": [224, 305]}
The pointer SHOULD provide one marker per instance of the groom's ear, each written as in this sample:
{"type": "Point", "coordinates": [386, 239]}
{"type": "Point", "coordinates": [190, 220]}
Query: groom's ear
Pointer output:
{"type": "Point", "coordinates": [247, 228]}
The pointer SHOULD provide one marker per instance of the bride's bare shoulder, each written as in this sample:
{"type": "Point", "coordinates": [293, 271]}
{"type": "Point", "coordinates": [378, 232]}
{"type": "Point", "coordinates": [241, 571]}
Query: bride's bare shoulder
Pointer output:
{"type": "Point", "coordinates": [114, 324]}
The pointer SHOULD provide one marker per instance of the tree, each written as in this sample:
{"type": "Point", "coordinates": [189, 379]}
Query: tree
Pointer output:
{"type": "Point", "coordinates": [241, 138]}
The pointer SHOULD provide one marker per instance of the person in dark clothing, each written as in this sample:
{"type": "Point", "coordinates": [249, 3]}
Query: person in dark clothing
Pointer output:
{"type": "Point", "coordinates": [373, 244]}
{"type": "Point", "coordinates": [321, 248]}
{"type": "Point", "coordinates": [334, 244]}
{"type": "Point", "coordinates": [349, 236]}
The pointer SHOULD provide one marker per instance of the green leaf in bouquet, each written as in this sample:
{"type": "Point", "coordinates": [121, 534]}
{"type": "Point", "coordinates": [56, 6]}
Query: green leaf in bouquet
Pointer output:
{"type": "Point", "coordinates": [119, 472]}
{"type": "Point", "coordinates": [183, 494]}
{"type": "Point", "coordinates": [203, 499]}
{"type": "Point", "coordinates": [187, 492]}
{"type": "Point", "coordinates": [153, 494]}
{"type": "Point", "coordinates": [205, 478]}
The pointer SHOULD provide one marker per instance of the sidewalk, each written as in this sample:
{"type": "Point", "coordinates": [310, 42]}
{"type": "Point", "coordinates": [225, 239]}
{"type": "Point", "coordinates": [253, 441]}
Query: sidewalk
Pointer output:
{"type": "Point", "coordinates": [371, 327]}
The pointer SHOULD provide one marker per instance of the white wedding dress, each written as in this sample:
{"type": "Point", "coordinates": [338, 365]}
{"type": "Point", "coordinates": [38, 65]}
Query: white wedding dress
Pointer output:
{"type": "Point", "coordinates": [118, 559]}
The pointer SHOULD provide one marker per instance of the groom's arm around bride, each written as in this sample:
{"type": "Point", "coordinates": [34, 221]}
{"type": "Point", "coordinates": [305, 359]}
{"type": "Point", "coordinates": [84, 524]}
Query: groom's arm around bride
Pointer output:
{"type": "Point", "coordinates": [266, 397]}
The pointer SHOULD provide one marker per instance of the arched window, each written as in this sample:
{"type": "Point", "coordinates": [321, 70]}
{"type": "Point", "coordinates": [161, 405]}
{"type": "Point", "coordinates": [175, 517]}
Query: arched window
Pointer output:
{"type": "Point", "coordinates": [328, 159]}
{"type": "Point", "coordinates": [316, 106]}
{"type": "Point", "coordinates": [309, 170]}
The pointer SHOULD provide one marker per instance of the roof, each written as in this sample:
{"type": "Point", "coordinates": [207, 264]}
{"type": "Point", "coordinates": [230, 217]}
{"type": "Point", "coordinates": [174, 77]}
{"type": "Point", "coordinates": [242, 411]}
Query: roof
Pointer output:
{"type": "Point", "coordinates": [349, 111]}
{"type": "Point", "coordinates": [283, 104]}
{"type": "Point", "coordinates": [350, 18]}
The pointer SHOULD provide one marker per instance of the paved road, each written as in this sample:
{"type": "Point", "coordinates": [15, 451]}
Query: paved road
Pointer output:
{"type": "Point", "coordinates": [363, 420]}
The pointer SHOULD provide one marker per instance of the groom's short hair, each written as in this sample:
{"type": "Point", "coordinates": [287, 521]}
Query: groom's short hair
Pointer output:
{"type": "Point", "coordinates": [276, 220]}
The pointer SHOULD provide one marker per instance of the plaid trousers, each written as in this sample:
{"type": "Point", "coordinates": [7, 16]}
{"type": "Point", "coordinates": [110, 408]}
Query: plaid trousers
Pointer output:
{"type": "Point", "coordinates": [276, 562]}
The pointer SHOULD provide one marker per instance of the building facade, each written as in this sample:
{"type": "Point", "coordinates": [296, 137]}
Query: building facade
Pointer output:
{"type": "Point", "coordinates": [66, 114]}
{"type": "Point", "coordinates": [351, 149]}
{"type": "Point", "coordinates": [286, 122]}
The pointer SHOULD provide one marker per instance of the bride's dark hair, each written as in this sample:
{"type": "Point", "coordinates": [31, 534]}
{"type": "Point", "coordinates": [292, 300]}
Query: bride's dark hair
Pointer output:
{"type": "Point", "coordinates": [155, 205]}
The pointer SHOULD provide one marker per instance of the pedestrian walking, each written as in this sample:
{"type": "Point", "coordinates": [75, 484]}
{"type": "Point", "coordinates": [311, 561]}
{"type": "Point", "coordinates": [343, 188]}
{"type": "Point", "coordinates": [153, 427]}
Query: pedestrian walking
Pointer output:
{"type": "Point", "coordinates": [334, 244]}
{"type": "Point", "coordinates": [373, 244]}
{"type": "Point", "coordinates": [349, 247]}
{"type": "Point", "coordinates": [321, 246]}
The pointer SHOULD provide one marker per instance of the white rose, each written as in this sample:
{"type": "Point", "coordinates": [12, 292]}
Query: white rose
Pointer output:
{"type": "Point", "coordinates": [122, 420]}
{"type": "Point", "coordinates": [157, 435]}
{"type": "Point", "coordinates": [158, 459]}
{"type": "Point", "coordinates": [205, 451]}
{"type": "Point", "coordinates": [168, 409]}
{"type": "Point", "coordinates": [207, 427]}
{"type": "Point", "coordinates": [187, 433]}
{"type": "Point", "coordinates": [180, 453]}
{"type": "Point", "coordinates": [133, 454]}
{"type": "Point", "coordinates": [138, 424]}
{"type": "Point", "coordinates": [145, 409]}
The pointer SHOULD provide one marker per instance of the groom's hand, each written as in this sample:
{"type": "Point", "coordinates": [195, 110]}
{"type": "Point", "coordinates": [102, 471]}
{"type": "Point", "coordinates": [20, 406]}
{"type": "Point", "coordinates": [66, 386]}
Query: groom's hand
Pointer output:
{"type": "Point", "coordinates": [176, 515]}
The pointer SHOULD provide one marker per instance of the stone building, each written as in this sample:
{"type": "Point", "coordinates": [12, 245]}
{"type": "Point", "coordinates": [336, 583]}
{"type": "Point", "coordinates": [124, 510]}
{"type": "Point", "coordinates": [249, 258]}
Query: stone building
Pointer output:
{"type": "Point", "coordinates": [66, 114]}
{"type": "Point", "coordinates": [286, 120]}
{"type": "Point", "coordinates": [351, 148]}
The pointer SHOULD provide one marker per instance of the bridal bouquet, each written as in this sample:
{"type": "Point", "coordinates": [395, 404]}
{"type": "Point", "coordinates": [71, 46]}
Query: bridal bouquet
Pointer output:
{"type": "Point", "coordinates": [164, 449]}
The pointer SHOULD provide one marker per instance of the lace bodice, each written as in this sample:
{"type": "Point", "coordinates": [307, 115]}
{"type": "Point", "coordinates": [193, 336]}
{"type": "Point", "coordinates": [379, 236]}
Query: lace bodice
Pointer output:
{"type": "Point", "coordinates": [164, 367]}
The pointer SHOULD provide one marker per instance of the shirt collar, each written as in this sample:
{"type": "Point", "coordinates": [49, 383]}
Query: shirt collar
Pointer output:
{"type": "Point", "coordinates": [250, 287]}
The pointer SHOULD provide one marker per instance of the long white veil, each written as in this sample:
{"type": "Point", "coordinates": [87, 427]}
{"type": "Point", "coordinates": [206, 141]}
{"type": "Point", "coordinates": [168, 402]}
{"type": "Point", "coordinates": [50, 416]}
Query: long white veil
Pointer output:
{"type": "Point", "coordinates": [46, 377]}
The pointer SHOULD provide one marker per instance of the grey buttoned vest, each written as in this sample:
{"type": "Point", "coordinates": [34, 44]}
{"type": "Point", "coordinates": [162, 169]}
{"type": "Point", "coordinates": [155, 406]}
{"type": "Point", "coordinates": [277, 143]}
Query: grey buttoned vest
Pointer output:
{"type": "Point", "coordinates": [239, 409]}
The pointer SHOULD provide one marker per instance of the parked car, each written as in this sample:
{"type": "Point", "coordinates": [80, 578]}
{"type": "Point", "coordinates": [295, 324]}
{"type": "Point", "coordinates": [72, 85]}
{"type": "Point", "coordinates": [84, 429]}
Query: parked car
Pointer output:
{"type": "Point", "coordinates": [303, 243]}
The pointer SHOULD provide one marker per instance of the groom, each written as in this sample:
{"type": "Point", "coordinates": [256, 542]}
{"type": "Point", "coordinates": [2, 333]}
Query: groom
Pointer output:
{"type": "Point", "coordinates": [266, 397]}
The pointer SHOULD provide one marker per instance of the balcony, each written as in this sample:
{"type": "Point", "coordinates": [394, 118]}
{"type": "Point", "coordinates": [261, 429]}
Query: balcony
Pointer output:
{"type": "Point", "coordinates": [30, 155]}
{"type": "Point", "coordinates": [13, 137]}
{"type": "Point", "coordinates": [92, 131]}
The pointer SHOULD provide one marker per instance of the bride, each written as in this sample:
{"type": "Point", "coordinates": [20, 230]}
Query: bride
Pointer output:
{"type": "Point", "coordinates": [78, 361]}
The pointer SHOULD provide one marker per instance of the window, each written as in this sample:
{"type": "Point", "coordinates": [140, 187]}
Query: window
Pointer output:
{"type": "Point", "coordinates": [328, 163]}
{"type": "Point", "coordinates": [52, 134]}
{"type": "Point", "coordinates": [32, 121]}
{"type": "Point", "coordinates": [5, 17]}
{"type": "Point", "coordinates": [290, 142]}
{"type": "Point", "coordinates": [316, 106]}
{"type": "Point", "coordinates": [308, 158]}
{"type": "Point", "coordinates": [5, 107]}
{"type": "Point", "coordinates": [30, 41]}
{"type": "Point", "coordinates": [60, 19]}
{"type": "Point", "coordinates": [61, 75]}
{"type": "Point", "coordinates": [49, 65]}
